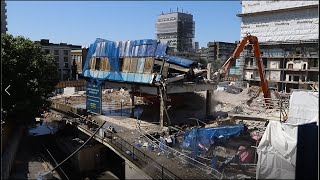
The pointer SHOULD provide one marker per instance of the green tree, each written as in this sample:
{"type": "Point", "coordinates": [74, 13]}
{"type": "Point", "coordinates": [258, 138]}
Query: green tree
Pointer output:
{"type": "Point", "coordinates": [31, 75]}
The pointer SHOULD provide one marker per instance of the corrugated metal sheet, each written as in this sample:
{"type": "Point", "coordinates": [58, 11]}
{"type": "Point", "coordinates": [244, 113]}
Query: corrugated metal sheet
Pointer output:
{"type": "Point", "coordinates": [137, 60]}
{"type": "Point", "coordinates": [179, 61]}
{"type": "Point", "coordinates": [122, 77]}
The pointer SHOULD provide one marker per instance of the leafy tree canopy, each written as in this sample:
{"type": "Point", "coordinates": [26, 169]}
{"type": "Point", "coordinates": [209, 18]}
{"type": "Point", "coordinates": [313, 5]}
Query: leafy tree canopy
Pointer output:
{"type": "Point", "coordinates": [31, 75]}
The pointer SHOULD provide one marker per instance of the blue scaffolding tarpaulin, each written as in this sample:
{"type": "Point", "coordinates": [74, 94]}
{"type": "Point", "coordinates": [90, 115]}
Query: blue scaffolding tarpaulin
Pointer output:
{"type": "Point", "coordinates": [203, 138]}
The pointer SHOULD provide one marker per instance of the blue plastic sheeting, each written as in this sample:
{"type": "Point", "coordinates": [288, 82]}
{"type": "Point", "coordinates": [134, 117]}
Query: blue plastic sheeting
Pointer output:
{"type": "Point", "coordinates": [142, 48]}
{"type": "Point", "coordinates": [161, 50]}
{"type": "Point", "coordinates": [114, 50]}
{"type": "Point", "coordinates": [202, 138]}
{"type": "Point", "coordinates": [120, 77]}
{"type": "Point", "coordinates": [179, 61]}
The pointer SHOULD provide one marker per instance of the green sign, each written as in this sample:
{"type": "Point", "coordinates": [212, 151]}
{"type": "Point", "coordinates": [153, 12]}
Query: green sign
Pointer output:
{"type": "Point", "coordinates": [94, 98]}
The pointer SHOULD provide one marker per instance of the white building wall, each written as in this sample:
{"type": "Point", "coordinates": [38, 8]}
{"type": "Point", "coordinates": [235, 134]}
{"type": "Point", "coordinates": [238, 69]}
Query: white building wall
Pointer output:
{"type": "Point", "coordinates": [275, 75]}
{"type": "Point", "coordinates": [132, 173]}
{"type": "Point", "coordinates": [297, 64]}
{"type": "Point", "coordinates": [273, 64]}
{"type": "Point", "coordinates": [251, 74]}
{"type": "Point", "coordinates": [298, 24]}
{"type": "Point", "coordinates": [260, 6]}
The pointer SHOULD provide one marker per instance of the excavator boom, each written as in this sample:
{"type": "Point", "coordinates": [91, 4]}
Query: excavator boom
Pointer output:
{"type": "Point", "coordinates": [248, 39]}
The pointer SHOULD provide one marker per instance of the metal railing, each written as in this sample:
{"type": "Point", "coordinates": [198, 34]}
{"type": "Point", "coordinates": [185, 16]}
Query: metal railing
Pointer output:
{"type": "Point", "coordinates": [143, 161]}
{"type": "Point", "coordinates": [139, 158]}
{"type": "Point", "coordinates": [148, 164]}
{"type": "Point", "coordinates": [63, 84]}
{"type": "Point", "coordinates": [185, 159]}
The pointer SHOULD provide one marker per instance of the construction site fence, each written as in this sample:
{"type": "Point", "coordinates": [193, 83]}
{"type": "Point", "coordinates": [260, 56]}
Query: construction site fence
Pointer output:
{"type": "Point", "coordinates": [64, 84]}
{"type": "Point", "coordinates": [80, 85]}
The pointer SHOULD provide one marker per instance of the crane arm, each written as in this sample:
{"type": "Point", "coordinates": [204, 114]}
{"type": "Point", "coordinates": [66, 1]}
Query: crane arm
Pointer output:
{"type": "Point", "coordinates": [225, 67]}
{"type": "Point", "coordinates": [248, 39]}
{"type": "Point", "coordinates": [263, 81]}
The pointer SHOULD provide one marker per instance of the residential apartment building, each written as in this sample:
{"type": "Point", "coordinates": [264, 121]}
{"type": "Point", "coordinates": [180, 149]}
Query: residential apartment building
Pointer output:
{"type": "Point", "coordinates": [203, 53]}
{"type": "Point", "coordinates": [176, 28]}
{"type": "Point", "coordinates": [4, 28]}
{"type": "Point", "coordinates": [288, 33]}
{"type": "Point", "coordinates": [220, 51]}
{"type": "Point", "coordinates": [62, 56]}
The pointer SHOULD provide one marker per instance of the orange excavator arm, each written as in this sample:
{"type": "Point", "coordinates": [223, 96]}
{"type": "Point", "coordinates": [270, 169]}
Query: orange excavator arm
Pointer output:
{"type": "Point", "coordinates": [248, 39]}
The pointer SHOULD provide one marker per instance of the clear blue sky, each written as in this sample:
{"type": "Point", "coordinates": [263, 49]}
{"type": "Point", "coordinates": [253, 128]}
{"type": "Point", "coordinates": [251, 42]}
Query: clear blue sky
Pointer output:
{"type": "Point", "coordinates": [81, 22]}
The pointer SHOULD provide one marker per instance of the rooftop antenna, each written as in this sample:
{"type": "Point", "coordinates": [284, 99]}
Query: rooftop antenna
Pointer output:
{"type": "Point", "coordinates": [182, 9]}
{"type": "Point", "coordinates": [170, 10]}
{"type": "Point", "coordinates": [177, 9]}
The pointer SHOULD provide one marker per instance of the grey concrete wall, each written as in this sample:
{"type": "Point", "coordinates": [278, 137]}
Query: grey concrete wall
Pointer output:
{"type": "Point", "coordinates": [9, 153]}
{"type": "Point", "coordinates": [133, 173]}
{"type": "Point", "coordinates": [89, 157]}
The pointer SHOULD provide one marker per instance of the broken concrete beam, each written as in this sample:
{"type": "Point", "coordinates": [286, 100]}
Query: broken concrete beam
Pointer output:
{"type": "Point", "coordinates": [248, 117]}
{"type": "Point", "coordinates": [176, 78]}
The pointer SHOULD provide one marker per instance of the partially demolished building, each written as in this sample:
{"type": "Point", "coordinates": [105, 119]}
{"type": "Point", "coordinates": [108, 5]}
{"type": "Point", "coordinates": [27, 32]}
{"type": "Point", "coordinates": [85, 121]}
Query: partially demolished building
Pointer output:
{"type": "Point", "coordinates": [139, 61]}
{"type": "Point", "coordinates": [288, 33]}
{"type": "Point", "coordinates": [143, 67]}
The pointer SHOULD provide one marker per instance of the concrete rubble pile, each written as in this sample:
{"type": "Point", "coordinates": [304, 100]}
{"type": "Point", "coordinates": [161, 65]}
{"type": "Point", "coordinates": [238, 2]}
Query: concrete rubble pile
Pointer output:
{"type": "Point", "coordinates": [249, 102]}
{"type": "Point", "coordinates": [108, 96]}
{"type": "Point", "coordinates": [223, 143]}
{"type": "Point", "coordinates": [226, 153]}
{"type": "Point", "coordinates": [225, 149]}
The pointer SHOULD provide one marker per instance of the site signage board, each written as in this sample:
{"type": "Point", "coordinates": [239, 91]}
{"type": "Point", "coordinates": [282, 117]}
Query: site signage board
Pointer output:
{"type": "Point", "coordinates": [94, 97]}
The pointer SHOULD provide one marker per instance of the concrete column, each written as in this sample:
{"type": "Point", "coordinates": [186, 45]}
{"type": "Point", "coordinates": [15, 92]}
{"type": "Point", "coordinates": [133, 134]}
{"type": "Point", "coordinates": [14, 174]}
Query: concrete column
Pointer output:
{"type": "Point", "coordinates": [161, 108]}
{"type": "Point", "coordinates": [132, 104]}
{"type": "Point", "coordinates": [208, 102]}
{"type": "Point", "coordinates": [209, 71]}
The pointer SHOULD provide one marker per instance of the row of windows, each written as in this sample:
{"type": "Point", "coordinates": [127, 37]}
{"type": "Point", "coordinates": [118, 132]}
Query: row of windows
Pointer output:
{"type": "Point", "coordinates": [57, 52]}
{"type": "Point", "coordinates": [127, 65]}
{"type": "Point", "coordinates": [65, 59]}
{"type": "Point", "coordinates": [65, 65]}
{"type": "Point", "coordinates": [166, 37]}
{"type": "Point", "coordinates": [77, 58]}
{"type": "Point", "coordinates": [167, 19]}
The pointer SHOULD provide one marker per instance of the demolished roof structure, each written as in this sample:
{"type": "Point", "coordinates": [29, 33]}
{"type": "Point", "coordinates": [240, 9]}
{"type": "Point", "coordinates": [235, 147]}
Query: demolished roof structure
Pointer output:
{"type": "Point", "coordinates": [140, 61]}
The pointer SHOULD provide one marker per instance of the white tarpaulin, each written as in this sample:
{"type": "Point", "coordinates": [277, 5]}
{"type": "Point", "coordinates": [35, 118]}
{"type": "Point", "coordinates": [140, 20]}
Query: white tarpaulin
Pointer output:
{"type": "Point", "coordinates": [278, 146]}
{"type": "Point", "coordinates": [304, 108]}
{"type": "Point", "coordinates": [69, 90]}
